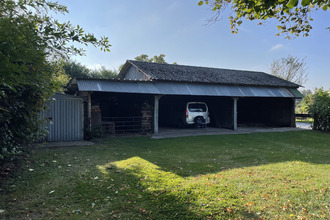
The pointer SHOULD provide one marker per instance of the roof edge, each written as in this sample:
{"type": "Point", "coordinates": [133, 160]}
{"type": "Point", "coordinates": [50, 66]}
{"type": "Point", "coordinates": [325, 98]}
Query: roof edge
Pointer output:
{"type": "Point", "coordinates": [173, 81]}
{"type": "Point", "coordinates": [126, 67]}
{"type": "Point", "coordinates": [182, 88]}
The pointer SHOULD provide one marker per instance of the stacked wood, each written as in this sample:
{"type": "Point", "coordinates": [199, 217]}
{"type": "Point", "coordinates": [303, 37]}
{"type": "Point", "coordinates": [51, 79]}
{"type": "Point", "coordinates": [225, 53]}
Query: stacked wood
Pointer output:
{"type": "Point", "coordinates": [146, 122]}
{"type": "Point", "coordinates": [96, 119]}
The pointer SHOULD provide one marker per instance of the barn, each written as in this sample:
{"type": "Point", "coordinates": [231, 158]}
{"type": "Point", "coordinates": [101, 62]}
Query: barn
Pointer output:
{"type": "Point", "coordinates": [142, 97]}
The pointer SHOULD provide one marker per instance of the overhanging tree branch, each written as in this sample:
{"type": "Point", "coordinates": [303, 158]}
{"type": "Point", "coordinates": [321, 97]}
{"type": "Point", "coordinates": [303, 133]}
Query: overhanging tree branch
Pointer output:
{"type": "Point", "coordinates": [293, 16]}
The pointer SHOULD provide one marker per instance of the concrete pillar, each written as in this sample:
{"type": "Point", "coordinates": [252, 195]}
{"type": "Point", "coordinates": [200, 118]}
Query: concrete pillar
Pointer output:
{"type": "Point", "coordinates": [89, 109]}
{"type": "Point", "coordinates": [156, 113]}
{"type": "Point", "coordinates": [235, 114]}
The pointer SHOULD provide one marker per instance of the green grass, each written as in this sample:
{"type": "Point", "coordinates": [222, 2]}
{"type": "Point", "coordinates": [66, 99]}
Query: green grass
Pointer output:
{"type": "Point", "coordinates": [250, 176]}
{"type": "Point", "coordinates": [305, 120]}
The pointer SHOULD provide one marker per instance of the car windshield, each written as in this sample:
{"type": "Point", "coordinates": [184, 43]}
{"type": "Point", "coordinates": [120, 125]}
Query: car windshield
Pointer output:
{"type": "Point", "coordinates": [197, 107]}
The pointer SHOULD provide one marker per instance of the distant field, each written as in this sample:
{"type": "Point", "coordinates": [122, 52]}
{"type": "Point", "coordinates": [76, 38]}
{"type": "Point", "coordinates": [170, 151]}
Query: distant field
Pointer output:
{"type": "Point", "coordinates": [305, 120]}
{"type": "Point", "coordinates": [248, 176]}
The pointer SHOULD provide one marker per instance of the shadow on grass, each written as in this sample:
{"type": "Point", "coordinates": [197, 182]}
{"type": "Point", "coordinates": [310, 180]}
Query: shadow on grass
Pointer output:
{"type": "Point", "coordinates": [165, 195]}
{"type": "Point", "coordinates": [175, 178]}
{"type": "Point", "coordinates": [193, 156]}
{"type": "Point", "coordinates": [173, 173]}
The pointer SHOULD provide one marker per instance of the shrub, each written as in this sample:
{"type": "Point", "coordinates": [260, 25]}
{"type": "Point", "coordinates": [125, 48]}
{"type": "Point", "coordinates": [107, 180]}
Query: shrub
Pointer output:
{"type": "Point", "coordinates": [320, 110]}
{"type": "Point", "coordinates": [31, 45]}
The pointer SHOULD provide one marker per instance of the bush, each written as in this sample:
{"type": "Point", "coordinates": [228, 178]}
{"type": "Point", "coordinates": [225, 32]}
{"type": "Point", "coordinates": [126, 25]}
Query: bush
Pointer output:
{"type": "Point", "coordinates": [31, 44]}
{"type": "Point", "coordinates": [320, 110]}
{"type": "Point", "coordinates": [19, 116]}
{"type": "Point", "coordinates": [27, 81]}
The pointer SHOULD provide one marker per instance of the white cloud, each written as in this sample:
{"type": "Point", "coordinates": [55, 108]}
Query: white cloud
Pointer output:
{"type": "Point", "coordinates": [276, 47]}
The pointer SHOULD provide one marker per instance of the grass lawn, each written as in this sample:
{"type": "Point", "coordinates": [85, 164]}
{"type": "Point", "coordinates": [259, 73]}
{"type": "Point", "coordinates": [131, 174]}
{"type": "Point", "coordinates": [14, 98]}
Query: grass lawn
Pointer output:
{"type": "Point", "coordinates": [249, 176]}
{"type": "Point", "coordinates": [305, 120]}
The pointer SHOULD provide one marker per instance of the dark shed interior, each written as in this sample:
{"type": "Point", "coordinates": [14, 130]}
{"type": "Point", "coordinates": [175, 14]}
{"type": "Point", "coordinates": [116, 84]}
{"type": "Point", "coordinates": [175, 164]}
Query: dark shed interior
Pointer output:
{"type": "Point", "coordinates": [220, 109]}
{"type": "Point", "coordinates": [114, 113]}
{"type": "Point", "coordinates": [265, 111]}
{"type": "Point", "coordinates": [251, 111]}
{"type": "Point", "coordinates": [121, 104]}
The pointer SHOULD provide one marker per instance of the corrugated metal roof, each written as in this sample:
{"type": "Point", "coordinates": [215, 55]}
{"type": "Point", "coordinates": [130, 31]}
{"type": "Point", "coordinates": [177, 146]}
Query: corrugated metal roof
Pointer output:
{"type": "Point", "coordinates": [296, 93]}
{"type": "Point", "coordinates": [171, 88]}
{"type": "Point", "coordinates": [117, 86]}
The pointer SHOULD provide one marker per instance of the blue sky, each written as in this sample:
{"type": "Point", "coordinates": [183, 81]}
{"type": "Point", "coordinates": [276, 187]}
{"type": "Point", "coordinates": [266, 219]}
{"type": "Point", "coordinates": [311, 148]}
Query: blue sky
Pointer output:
{"type": "Point", "coordinates": [179, 29]}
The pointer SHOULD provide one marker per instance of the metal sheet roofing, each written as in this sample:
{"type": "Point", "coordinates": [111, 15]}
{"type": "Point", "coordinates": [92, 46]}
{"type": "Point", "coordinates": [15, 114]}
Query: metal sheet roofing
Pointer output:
{"type": "Point", "coordinates": [181, 88]}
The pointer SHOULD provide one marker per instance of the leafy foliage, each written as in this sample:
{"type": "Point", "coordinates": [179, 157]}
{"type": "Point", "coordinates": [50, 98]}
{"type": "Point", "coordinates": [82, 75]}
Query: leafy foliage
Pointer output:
{"type": "Point", "coordinates": [77, 70]}
{"type": "Point", "coordinates": [104, 73]}
{"type": "Point", "coordinates": [55, 36]}
{"type": "Point", "coordinates": [31, 42]}
{"type": "Point", "coordinates": [26, 82]}
{"type": "Point", "coordinates": [291, 68]}
{"type": "Point", "coordinates": [302, 107]}
{"type": "Point", "coordinates": [320, 110]}
{"type": "Point", "coordinates": [155, 59]}
{"type": "Point", "coordinates": [293, 16]}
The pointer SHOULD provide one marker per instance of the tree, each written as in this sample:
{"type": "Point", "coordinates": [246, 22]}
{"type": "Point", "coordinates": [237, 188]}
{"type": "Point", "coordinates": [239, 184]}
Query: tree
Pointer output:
{"type": "Point", "coordinates": [77, 70]}
{"type": "Point", "coordinates": [306, 92]}
{"type": "Point", "coordinates": [291, 68]}
{"type": "Point", "coordinates": [303, 105]}
{"type": "Point", "coordinates": [104, 73]}
{"type": "Point", "coordinates": [293, 16]}
{"type": "Point", "coordinates": [31, 43]}
{"type": "Point", "coordinates": [57, 37]}
{"type": "Point", "coordinates": [27, 80]}
{"type": "Point", "coordinates": [155, 59]}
